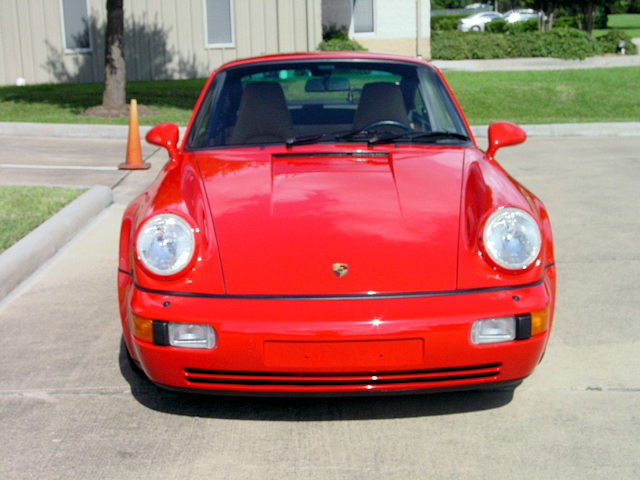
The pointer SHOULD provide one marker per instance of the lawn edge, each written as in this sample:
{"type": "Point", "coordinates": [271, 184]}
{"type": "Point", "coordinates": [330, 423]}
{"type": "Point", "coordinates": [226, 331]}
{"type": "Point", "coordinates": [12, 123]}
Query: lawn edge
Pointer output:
{"type": "Point", "coordinates": [23, 258]}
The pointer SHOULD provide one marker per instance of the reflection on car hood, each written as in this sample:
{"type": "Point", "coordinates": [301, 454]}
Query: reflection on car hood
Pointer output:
{"type": "Point", "coordinates": [284, 219]}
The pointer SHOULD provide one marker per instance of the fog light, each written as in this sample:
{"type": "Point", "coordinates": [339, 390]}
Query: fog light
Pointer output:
{"type": "Point", "coordinates": [493, 330]}
{"type": "Point", "coordinates": [191, 335]}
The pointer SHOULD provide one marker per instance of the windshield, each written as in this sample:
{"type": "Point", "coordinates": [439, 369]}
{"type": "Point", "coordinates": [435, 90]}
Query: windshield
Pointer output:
{"type": "Point", "coordinates": [324, 100]}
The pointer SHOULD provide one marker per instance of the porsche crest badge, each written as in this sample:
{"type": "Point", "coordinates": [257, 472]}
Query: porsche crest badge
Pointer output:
{"type": "Point", "coordinates": [340, 269]}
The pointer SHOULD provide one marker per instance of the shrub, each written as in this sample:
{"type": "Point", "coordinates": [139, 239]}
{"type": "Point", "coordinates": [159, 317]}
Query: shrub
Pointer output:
{"type": "Point", "coordinates": [569, 43]}
{"type": "Point", "coordinates": [443, 23]}
{"type": "Point", "coordinates": [482, 46]}
{"type": "Point", "coordinates": [610, 42]}
{"type": "Point", "coordinates": [561, 22]}
{"type": "Point", "coordinates": [529, 44]}
{"type": "Point", "coordinates": [329, 32]}
{"type": "Point", "coordinates": [496, 26]}
{"type": "Point", "coordinates": [449, 46]}
{"type": "Point", "coordinates": [340, 44]}
{"type": "Point", "coordinates": [559, 43]}
{"type": "Point", "coordinates": [601, 19]}
{"type": "Point", "coordinates": [530, 25]}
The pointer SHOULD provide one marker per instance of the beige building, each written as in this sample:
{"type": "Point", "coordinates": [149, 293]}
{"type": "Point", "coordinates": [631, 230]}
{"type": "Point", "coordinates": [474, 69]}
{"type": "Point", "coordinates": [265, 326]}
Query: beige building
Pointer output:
{"type": "Point", "coordinates": [48, 41]}
{"type": "Point", "coordinates": [388, 26]}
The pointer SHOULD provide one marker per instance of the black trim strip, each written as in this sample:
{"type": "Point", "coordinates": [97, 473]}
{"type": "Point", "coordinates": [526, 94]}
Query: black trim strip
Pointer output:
{"type": "Point", "coordinates": [331, 154]}
{"type": "Point", "coordinates": [328, 383]}
{"type": "Point", "coordinates": [125, 272]}
{"type": "Point", "coordinates": [242, 373]}
{"type": "Point", "coordinates": [343, 296]}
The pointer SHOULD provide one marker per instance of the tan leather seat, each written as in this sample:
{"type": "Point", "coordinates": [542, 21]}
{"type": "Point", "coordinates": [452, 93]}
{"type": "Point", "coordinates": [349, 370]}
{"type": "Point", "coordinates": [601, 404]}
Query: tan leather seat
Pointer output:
{"type": "Point", "coordinates": [263, 116]}
{"type": "Point", "coordinates": [380, 101]}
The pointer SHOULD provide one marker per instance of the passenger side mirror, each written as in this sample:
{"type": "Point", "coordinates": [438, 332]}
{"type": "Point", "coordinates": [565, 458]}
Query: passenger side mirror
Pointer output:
{"type": "Point", "coordinates": [503, 134]}
{"type": "Point", "coordinates": [165, 135]}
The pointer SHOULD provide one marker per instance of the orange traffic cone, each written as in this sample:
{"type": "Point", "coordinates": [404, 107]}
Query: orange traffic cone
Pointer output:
{"type": "Point", "coordinates": [134, 150]}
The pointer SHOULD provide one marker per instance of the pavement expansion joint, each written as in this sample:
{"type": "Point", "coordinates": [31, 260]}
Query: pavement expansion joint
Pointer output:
{"type": "Point", "coordinates": [65, 392]}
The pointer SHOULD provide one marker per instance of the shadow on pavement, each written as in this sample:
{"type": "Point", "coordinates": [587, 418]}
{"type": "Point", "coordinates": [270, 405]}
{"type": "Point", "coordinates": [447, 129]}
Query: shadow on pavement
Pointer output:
{"type": "Point", "coordinates": [284, 409]}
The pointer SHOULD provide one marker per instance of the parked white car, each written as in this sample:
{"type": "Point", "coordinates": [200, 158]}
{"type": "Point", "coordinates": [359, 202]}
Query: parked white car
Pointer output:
{"type": "Point", "coordinates": [520, 15]}
{"type": "Point", "coordinates": [477, 21]}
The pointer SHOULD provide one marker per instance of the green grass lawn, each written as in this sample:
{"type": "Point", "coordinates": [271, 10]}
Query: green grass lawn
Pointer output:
{"type": "Point", "coordinates": [24, 208]}
{"type": "Point", "coordinates": [62, 103]}
{"type": "Point", "coordinates": [629, 22]}
{"type": "Point", "coordinates": [549, 96]}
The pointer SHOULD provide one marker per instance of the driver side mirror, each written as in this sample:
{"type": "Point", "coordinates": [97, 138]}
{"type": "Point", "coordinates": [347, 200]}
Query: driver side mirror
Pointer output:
{"type": "Point", "coordinates": [164, 135]}
{"type": "Point", "coordinates": [503, 134]}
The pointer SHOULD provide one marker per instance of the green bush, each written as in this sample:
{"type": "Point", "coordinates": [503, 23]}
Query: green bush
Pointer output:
{"type": "Point", "coordinates": [329, 32]}
{"type": "Point", "coordinates": [496, 26]}
{"type": "Point", "coordinates": [601, 19]}
{"type": "Point", "coordinates": [558, 43]}
{"type": "Point", "coordinates": [482, 46]}
{"type": "Point", "coordinates": [443, 23]}
{"type": "Point", "coordinates": [340, 44]}
{"type": "Point", "coordinates": [610, 42]}
{"type": "Point", "coordinates": [530, 25]}
{"type": "Point", "coordinates": [569, 43]}
{"type": "Point", "coordinates": [565, 21]}
{"type": "Point", "coordinates": [529, 44]}
{"type": "Point", "coordinates": [449, 46]}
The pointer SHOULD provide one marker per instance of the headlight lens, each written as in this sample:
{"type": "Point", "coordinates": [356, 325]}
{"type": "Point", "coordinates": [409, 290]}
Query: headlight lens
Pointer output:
{"type": "Point", "coordinates": [165, 244]}
{"type": "Point", "coordinates": [512, 238]}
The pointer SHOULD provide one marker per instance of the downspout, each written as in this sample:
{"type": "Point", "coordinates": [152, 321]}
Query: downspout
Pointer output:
{"type": "Point", "coordinates": [419, 28]}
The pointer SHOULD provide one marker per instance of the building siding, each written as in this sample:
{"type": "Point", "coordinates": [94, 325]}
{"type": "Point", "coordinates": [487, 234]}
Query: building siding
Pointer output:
{"type": "Point", "coordinates": [164, 39]}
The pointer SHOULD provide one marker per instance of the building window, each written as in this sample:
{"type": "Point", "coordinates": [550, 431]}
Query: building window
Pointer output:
{"type": "Point", "coordinates": [75, 25]}
{"type": "Point", "coordinates": [363, 16]}
{"type": "Point", "coordinates": [218, 22]}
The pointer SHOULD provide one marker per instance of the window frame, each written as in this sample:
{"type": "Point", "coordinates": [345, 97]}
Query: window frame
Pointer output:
{"type": "Point", "coordinates": [63, 26]}
{"type": "Point", "coordinates": [374, 20]}
{"type": "Point", "coordinates": [206, 28]}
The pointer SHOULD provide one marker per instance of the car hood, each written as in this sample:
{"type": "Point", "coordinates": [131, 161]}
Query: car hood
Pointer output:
{"type": "Point", "coordinates": [323, 223]}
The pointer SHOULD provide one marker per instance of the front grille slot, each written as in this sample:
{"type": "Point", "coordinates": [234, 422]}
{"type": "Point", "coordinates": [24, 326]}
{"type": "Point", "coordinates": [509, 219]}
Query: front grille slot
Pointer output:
{"type": "Point", "coordinates": [223, 378]}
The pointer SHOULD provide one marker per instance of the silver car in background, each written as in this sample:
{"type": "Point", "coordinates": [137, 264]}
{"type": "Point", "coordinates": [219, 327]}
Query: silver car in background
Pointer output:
{"type": "Point", "coordinates": [477, 21]}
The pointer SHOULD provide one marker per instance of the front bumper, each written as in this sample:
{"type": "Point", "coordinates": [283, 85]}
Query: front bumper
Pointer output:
{"type": "Point", "coordinates": [344, 346]}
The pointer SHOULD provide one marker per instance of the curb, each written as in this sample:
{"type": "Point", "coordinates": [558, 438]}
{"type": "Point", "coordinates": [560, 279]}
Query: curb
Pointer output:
{"type": "Point", "coordinates": [24, 257]}
{"type": "Point", "coordinates": [536, 63]}
{"type": "Point", "coordinates": [621, 129]}
{"type": "Point", "coordinates": [66, 130]}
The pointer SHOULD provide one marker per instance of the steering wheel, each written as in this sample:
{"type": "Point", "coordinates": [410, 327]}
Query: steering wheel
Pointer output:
{"type": "Point", "coordinates": [387, 123]}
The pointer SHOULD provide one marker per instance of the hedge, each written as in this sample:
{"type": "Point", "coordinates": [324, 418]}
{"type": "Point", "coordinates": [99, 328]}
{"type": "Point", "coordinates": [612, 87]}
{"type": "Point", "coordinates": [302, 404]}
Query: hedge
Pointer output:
{"type": "Point", "coordinates": [559, 43]}
{"type": "Point", "coordinates": [340, 44]}
{"type": "Point", "coordinates": [442, 23]}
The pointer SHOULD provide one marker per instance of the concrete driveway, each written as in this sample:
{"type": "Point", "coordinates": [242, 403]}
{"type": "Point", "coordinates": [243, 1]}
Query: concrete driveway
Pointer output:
{"type": "Point", "coordinates": [70, 406]}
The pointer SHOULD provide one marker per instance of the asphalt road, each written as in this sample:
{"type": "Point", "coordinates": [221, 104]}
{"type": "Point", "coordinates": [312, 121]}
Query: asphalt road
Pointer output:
{"type": "Point", "coordinates": [70, 406]}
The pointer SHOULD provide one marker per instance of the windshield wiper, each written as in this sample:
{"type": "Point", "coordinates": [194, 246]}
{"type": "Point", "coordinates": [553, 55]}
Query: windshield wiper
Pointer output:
{"type": "Point", "coordinates": [418, 135]}
{"type": "Point", "coordinates": [320, 137]}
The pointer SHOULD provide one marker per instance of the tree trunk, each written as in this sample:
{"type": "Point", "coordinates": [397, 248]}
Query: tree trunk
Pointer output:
{"type": "Point", "coordinates": [114, 66]}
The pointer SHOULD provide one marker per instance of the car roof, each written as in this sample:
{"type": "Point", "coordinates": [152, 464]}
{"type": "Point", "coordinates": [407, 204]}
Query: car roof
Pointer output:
{"type": "Point", "coordinates": [328, 55]}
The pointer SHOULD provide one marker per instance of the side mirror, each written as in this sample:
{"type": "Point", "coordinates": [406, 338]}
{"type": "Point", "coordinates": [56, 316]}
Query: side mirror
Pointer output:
{"type": "Point", "coordinates": [503, 134]}
{"type": "Point", "coordinates": [165, 135]}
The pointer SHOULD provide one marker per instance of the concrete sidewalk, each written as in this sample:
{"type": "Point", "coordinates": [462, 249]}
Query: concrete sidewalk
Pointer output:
{"type": "Point", "coordinates": [538, 63]}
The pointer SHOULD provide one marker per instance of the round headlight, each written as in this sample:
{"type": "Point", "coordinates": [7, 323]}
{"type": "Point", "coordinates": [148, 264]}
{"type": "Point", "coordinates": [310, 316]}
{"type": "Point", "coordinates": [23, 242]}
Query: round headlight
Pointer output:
{"type": "Point", "coordinates": [511, 238]}
{"type": "Point", "coordinates": [165, 244]}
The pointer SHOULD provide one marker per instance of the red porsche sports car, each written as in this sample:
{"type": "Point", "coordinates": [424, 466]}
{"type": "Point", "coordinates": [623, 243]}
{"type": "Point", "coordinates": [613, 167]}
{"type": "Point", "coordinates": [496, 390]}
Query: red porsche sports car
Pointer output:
{"type": "Point", "coordinates": [328, 225]}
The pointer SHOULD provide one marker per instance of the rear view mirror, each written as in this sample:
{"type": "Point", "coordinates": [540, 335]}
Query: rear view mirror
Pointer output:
{"type": "Point", "coordinates": [327, 84]}
{"type": "Point", "coordinates": [503, 134]}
